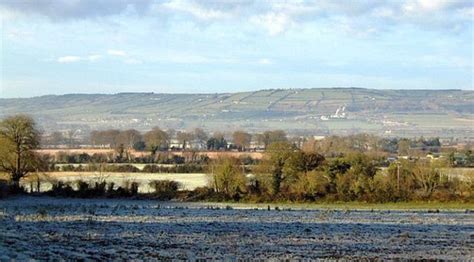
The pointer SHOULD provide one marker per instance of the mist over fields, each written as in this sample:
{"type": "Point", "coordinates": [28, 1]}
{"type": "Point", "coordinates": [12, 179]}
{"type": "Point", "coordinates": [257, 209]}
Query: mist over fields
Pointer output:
{"type": "Point", "coordinates": [323, 111]}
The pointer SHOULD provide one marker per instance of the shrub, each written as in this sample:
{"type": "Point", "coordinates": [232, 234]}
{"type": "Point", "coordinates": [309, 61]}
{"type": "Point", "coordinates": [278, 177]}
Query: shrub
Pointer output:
{"type": "Point", "coordinates": [61, 189]}
{"type": "Point", "coordinates": [122, 168]}
{"type": "Point", "coordinates": [185, 168]}
{"type": "Point", "coordinates": [204, 193]}
{"type": "Point", "coordinates": [165, 189]}
{"type": "Point", "coordinates": [130, 188]}
{"type": "Point", "coordinates": [4, 189]}
{"type": "Point", "coordinates": [227, 176]}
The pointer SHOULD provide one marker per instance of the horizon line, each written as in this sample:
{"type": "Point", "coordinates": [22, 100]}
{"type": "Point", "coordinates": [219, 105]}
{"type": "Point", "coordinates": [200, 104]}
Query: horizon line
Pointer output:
{"type": "Point", "coordinates": [247, 91]}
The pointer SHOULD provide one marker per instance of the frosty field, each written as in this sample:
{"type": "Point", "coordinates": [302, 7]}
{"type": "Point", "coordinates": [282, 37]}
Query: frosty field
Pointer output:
{"type": "Point", "coordinates": [77, 229]}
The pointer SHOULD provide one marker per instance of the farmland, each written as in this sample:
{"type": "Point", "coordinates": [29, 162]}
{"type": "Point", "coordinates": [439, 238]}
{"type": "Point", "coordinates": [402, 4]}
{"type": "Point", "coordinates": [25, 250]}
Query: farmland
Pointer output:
{"type": "Point", "coordinates": [187, 181]}
{"type": "Point", "coordinates": [410, 112]}
{"type": "Point", "coordinates": [77, 229]}
{"type": "Point", "coordinates": [119, 204]}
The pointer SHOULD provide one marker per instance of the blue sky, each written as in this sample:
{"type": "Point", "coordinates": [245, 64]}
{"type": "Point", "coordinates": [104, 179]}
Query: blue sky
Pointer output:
{"type": "Point", "coordinates": [180, 46]}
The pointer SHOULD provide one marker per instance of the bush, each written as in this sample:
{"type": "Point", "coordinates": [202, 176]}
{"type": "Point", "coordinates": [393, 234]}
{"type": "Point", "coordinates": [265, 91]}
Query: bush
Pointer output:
{"type": "Point", "coordinates": [61, 189]}
{"type": "Point", "coordinates": [205, 194]}
{"type": "Point", "coordinates": [186, 168]}
{"type": "Point", "coordinates": [131, 188]}
{"type": "Point", "coordinates": [4, 188]}
{"type": "Point", "coordinates": [96, 189]}
{"type": "Point", "coordinates": [85, 190]}
{"type": "Point", "coordinates": [165, 189]}
{"type": "Point", "coordinates": [122, 168]}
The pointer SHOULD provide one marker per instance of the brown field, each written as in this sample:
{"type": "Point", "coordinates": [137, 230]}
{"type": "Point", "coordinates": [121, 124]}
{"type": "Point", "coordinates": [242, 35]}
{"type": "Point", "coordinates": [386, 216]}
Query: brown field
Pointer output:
{"type": "Point", "coordinates": [210, 154]}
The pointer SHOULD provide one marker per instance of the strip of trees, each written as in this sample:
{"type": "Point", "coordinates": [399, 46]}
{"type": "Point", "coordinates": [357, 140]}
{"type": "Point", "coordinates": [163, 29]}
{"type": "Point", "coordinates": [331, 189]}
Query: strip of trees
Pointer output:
{"type": "Point", "coordinates": [158, 139]}
{"type": "Point", "coordinates": [290, 174]}
{"type": "Point", "coordinates": [351, 168]}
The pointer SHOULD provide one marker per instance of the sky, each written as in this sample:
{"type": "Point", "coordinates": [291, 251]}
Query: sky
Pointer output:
{"type": "Point", "coordinates": [186, 46]}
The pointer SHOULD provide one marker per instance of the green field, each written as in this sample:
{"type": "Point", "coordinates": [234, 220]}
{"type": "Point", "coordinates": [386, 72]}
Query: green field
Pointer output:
{"type": "Point", "coordinates": [432, 112]}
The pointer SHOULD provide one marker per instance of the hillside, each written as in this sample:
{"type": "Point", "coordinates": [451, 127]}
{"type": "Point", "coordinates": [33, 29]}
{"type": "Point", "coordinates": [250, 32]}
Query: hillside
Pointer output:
{"type": "Point", "coordinates": [318, 111]}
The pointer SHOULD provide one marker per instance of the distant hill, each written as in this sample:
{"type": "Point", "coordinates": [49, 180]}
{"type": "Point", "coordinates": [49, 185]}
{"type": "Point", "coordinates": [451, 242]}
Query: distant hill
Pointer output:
{"type": "Point", "coordinates": [316, 111]}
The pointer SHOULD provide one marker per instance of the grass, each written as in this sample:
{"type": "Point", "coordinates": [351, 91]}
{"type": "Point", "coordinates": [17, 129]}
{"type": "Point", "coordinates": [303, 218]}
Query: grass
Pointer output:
{"type": "Point", "coordinates": [189, 181]}
{"type": "Point", "coordinates": [443, 206]}
{"type": "Point", "coordinates": [432, 120]}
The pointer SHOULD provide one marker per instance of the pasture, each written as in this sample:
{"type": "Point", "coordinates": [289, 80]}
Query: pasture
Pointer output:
{"type": "Point", "coordinates": [187, 181]}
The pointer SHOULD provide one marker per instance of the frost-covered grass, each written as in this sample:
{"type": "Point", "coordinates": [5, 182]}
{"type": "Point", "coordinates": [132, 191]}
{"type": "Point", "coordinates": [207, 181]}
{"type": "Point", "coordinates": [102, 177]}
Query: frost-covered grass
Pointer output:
{"type": "Point", "coordinates": [98, 229]}
{"type": "Point", "coordinates": [394, 206]}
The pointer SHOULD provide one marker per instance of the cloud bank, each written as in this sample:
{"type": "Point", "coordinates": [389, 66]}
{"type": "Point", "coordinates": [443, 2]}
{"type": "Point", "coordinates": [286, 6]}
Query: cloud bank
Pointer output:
{"type": "Point", "coordinates": [275, 17]}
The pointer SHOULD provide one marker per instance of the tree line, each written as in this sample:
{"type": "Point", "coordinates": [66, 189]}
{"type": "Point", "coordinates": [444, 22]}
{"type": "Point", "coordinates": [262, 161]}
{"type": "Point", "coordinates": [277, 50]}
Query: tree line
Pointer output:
{"type": "Point", "coordinates": [158, 139]}
{"type": "Point", "coordinates": [291, 174]}
{"type": "Point", "coordinates": [353, 168]}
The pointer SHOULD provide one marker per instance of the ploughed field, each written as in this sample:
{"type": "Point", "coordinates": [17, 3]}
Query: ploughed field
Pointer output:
{"type": "Point", "coordinates": [102, 229]}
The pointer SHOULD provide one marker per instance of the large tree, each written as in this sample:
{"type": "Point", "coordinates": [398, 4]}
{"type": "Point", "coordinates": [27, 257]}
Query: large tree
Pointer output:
{"type": "Point", "coordinates": [227, 176]}
{"type": "Point", "coordinates": [269, 137]}
{"type": "Point", "coordinates": [200, 135]}
{"type": "Point", "coordinates": [184, 137]}
{"type": "Point", "coordinates": [276, 156]}
{"type": "Point", "coordinates": [217, 142]}
{"type": "Point", "coordinates": [156, 140]}
{"type": "Point", "coordinates": [18, 139]}
{"type": "Point", "coordinates": [128, 138]}
{"type": "Point", "coordinates": [241, 139]}
{"type": "Point", "coordinates": [105, 137]}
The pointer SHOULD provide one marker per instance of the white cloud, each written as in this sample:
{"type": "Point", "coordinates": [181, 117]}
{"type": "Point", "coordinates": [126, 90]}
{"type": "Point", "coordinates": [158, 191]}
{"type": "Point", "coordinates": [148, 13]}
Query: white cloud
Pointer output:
{"type": "Point", "coordinates": [8, 14]}
{"type": "Point", "coordinates": [93, 58]}
{"type": "Point", "coordinates": [383, 12]}
{"type": "Point", "coordinates": [75, 9]}
{"type": "Point", "coordinates": [74, 58]}
{"type": "Point", "coordinates": [434, 5]}
{"type": "Point", "coordinates": [116, 52]}
{"type": "Point", "coordinates": [274, 23]}
{"type": "Point", "coordinates": [196, 10]}
{"type": "Point", "coordinates": [69, 59]}
{"type": "Point", "coordinates": [265, 61]}
{"type": "Point", "coordinates": [274, 16]}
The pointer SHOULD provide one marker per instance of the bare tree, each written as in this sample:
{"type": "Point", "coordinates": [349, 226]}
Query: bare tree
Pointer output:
{"type": "Point", "coordinates": [156, 139]}
{"type": "Point", "coordinates": [269, 137]}
{"type": "Point", "coordinates": [128, 138]}
{"type": "Point", "coordinates": [184, 137]}
{"type": "Point", "coordinates": [200, 135]}
{"type": "Point", "coordinates": [70, 138]}
{"type": "Point", "coordinates": [241, 139]}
